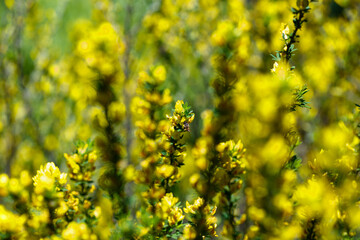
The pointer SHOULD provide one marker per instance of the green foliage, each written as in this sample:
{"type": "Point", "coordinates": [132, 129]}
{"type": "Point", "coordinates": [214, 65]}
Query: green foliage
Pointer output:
{"type": "Point", "coordinates": [299, 100]}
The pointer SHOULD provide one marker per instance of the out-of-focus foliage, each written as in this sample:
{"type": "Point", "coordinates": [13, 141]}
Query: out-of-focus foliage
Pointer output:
{"type": "Point", "coordinates": [269, 148]}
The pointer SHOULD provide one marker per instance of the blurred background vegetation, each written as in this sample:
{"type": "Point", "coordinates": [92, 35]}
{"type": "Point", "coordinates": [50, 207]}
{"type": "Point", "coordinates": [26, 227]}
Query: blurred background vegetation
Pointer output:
{"type": "Point", "coordinates": [55, 56]}
{"type": "Point", "coordinates": [42, 107]}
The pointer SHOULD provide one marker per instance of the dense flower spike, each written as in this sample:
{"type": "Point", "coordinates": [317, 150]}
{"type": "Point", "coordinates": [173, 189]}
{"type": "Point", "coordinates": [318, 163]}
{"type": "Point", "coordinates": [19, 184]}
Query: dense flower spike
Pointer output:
{"type": "Point", "coordinates": [230, 180]}
{"type": "Point", "coordinates": [82, 163]}
{"type": "Point", "coordinates": [149, 111]}
{"type": "Point", "coordinates": [172, 148]}
{"type": "Point", "coordinates": [172, 142]}
{"type": "Point", "coordinates": [149, 108]}
{"type": "Point", "coordinates": [78, 203]}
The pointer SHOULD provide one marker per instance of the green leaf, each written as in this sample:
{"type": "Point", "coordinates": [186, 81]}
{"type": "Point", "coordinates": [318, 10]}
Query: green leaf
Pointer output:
{"type": "Point", "coordinates": [294, 163]}
{"type": "Point", "coordinates": [294, 10]}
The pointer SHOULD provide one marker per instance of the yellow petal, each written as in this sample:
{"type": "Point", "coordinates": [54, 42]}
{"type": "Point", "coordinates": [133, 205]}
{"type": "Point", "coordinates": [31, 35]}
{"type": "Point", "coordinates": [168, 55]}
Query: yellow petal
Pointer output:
{"type": "Point", "coordinates": [9, 3]}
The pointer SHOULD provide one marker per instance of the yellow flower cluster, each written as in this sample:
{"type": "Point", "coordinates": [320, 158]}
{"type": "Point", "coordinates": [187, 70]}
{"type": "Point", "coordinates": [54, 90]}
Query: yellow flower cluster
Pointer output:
{"type": "Point", "coordinates": [160, 171]}
{"type": "Point", "coordinates": [148, 109]}
{"type": "Point", "coordinates": [231, 155]}
{"type": "Point", "coordinates": [194, 207]}
{"type": "Point", "coordinates": [81, 164]}
{"type": "Point", "coordinates": [152, 96]}
{"type": "Point", "coordinates": [18, 188]}
{"type": "Point", "coordinates": [78, 200]}
{"type": "Point", "coordinates": [172, 142]}
{"type": "Point", "coordinates": [269, 206]}
{"type": "Point", "coordinates": [167, 209]}
{"type": "Point", "coordinates": [53, 207]}
{"type": "Point", "coordinates": [207, 218]}
{"type": "Point", "coordinates": [95, 57]}
{"type": "Point", "coordinates": [11, 225]}
{"type": "Point", "coordinates": [189, 232]}
{"type": "Point", "coordinates": [98, 46]}
{"type": "Point", "coordinates": [49, 179]}
{"type": "Point", "coordinates": [181, 118]}
{"type": "Point", "coordinates": [94, 72]}
{"type": "Point", "coordinates": [78, 231]}
{"type": "Point", "coordinates": [230, 178]}
{"type": "Point", "coordinates": [49, 189]}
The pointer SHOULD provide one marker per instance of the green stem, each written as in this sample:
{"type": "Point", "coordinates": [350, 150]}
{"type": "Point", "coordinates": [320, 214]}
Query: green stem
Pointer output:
{"type": "Point", "coordinates": [297, 22]}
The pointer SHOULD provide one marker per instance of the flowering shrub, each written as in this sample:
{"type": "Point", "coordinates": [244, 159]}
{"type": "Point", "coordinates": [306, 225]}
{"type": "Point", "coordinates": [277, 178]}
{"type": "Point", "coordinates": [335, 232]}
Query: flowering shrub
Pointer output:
{"type": "Point", "coordinates": [192, 119]}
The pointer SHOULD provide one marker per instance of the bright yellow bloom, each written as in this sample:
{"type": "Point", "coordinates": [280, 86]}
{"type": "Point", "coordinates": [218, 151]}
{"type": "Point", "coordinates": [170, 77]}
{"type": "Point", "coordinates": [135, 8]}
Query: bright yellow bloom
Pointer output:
{"type": "Point", "coordinates": [176, 215]}
{"type": "Point", "coordinates": [169, 200]}
{"type": "Point", "coordinates": [62, 209]}
{"type": "Point", "coordinates": [117, 111]}
{"type": "Point", "coordinates": [39, 218]}
{"type": "Point", "coordinates": [179, 107]}
{"type": "Point", "coordinates": [166, 209]}
{"type": "Point", "coordinates": [165, 171]}
{"type": "Point", "coordinates": [193, 208]}
{"type": "Point", "coordinates": [189, 232]}
{"type": "Point", "coordinates": [25, 178]}
{"type": "Point", "coordinates": [78, 231]}
{"type": "Point", "coordinates": [11, 223]}
{"type": "Point", "coordinates": [4, 179]}
{"type": "Point", "coordinates": [159, 73]}
{"type": "Point", "coordinates": [49, 178]}
{"type": "Point", "coordinates": [72, 162]}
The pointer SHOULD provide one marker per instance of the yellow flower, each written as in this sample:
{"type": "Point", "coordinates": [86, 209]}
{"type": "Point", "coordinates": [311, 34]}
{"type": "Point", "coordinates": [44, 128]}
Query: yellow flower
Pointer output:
{"type": "Point", "coordinates": [78, 231]}
{"type": "Point", "coordinates": [39, 218]}
{"type": "Point", "coordinates": [179, 107]}
{"type": "Point", "coordinates": [193, 208]}
{"type": "Point", "coordinates": [72, 162]}
{"type": "Point", "coordinates": [285, 32]}
{"type": "Point", "coordinates": [14, 186]}
{"type": "Point", "coordinates": [49, 178]}
{"type": "Point", "coordinates": [189, 232]}
{"type": "Point", "coordinates": [223, 33]}
{"type": "Point", "coordinates": [275, 66]}
{"type": "Point", "coordinates": [11, 223]}
{"type": "Point", "coordinates": [169, 200]}
{"type": "Point", "coordinates": [176, 215]}
{"type": "Point", "coordinates": [166, 97]}
{"type": "Point", "coordinates": [62, 209]}
{"type": "Point", "coordinates": [159, 73]}
{"type": "Point", "coordinates": [4, 179]}
{"type": "Point", "coordinates": [117, 111]}
{"type": "Point", "coordinates": [25, 178]}
{"type": "Point", "coordinates": [73, 202]}
{"type": "Point", "coordinates": [165, 170]}
{"type": "Point", "coordinates": [92, 157]}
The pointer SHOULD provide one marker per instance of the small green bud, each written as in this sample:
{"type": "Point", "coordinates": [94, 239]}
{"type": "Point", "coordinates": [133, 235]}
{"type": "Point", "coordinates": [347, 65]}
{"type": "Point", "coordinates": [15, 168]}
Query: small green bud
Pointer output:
{"type": "Point", "coordinates": [302, 4]}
